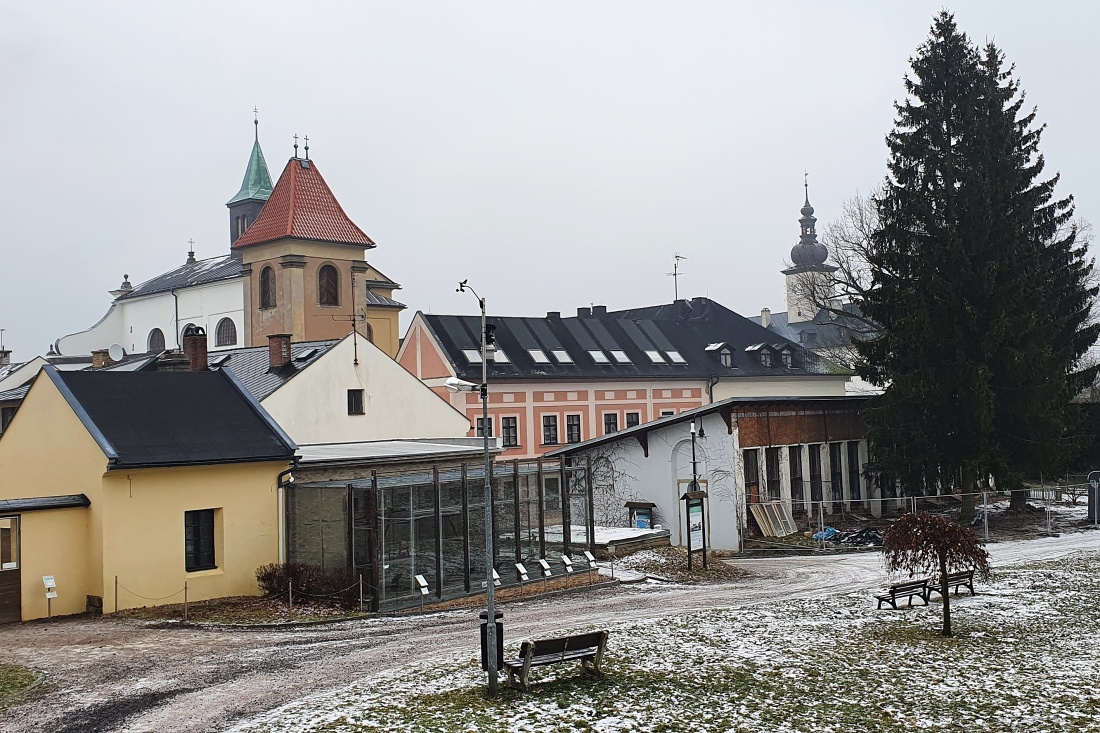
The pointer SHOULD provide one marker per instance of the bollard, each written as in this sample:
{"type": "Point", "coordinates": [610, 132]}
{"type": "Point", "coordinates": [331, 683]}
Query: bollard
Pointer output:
{"type": "Point", "coordinates": [484, 616]}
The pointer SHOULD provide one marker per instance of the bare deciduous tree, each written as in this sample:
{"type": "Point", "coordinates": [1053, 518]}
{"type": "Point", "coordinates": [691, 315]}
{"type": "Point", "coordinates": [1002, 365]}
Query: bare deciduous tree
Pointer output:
{"type": "Point", "coordinates": [923, 544]}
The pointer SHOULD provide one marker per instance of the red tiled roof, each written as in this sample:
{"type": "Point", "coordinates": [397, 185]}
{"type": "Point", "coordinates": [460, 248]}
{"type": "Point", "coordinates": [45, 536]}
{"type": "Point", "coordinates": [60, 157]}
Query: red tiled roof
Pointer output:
{"type": "Point", "coordinates": [302, 206]}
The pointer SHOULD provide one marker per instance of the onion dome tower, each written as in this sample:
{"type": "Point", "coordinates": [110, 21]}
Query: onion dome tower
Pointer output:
{"type": "Point", "coordinates": [808, 274]}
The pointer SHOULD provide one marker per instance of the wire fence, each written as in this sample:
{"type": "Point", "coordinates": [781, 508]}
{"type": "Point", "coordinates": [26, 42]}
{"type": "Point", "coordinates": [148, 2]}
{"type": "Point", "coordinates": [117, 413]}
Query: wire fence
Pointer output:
{"type": "Point", "coordinates": [187, 596]}
{"type": "Point", "coordinates": [842, 520]}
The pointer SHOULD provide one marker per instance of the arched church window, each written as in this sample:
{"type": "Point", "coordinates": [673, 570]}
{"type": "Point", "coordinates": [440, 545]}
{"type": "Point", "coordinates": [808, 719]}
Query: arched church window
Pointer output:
{"type": "Point", "coordinates": [226, 334]}
{"type": "Point", "coordinates": [267, 287]}
{"type": "Point", "coordinates": [328, 285]}
{"type": "Point", "coordinates": [156, 340]}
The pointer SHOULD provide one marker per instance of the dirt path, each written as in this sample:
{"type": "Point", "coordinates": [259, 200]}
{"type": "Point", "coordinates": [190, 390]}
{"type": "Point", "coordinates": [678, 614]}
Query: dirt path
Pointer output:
{"type": "Point", "coordinates": [108, 675]}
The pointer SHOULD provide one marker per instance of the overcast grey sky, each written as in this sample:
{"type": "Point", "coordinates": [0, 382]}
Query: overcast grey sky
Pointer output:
{"type": "Point", "coordinates": [556, 154]}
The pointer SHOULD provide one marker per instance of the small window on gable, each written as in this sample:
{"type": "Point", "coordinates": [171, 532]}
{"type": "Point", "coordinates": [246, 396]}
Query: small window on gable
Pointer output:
{"type": "Point", "coordinates": [267, 287]}
{"type": "Point", "coordinates": [726, 357]}
{"type": "Point", "coordinates": [355, 402]}
{"type": "Point", "coordinates": [156, 340]}
{"type": "Point", "coordinates": [328, 285]}
{"type": "Point", "coordinates": [226, 334]}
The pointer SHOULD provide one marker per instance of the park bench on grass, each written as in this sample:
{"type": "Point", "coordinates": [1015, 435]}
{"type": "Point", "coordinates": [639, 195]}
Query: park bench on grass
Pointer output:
{"type": "Point", "coordinates": [956, 581]}
{"type": "Point", "coordinates": [909, 589]}
{"type": "Point", "coordinates": [585, 648]}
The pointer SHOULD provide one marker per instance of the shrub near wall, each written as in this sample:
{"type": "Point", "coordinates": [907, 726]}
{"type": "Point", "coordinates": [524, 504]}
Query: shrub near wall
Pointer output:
{"type": "Point", "coordinates": [337, 585]}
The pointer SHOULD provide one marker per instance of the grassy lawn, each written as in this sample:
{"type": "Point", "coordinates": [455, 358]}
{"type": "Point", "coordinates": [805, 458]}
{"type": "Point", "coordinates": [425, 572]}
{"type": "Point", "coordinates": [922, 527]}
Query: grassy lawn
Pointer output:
{"type": "Point", "coordinates": [1024, 658]}
{"type": "Point", "coordinates": [14, 681]}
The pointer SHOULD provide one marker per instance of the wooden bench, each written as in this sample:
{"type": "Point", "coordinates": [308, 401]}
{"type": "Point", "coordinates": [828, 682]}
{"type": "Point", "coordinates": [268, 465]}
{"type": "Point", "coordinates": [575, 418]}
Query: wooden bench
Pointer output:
{"type": "Point", "coordinates": [910, 589]}
{"type": "Point", "coordinates": [585, 648]}
{"type": "Point", "coordinates": [964, 578]}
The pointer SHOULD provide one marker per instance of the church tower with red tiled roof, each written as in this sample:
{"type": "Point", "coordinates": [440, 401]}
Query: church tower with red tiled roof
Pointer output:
{"type": "Point", "coordinates": [304, 267]}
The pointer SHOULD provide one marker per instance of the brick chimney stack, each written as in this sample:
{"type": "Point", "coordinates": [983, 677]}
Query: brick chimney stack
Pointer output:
{"type": "Point", "coordinates": [194, 348]}
{"type": "Point", "coordinates": [5, 357]}
{"type": "Point", "coordinates": [101, 358]}
{"type": "Point", "coordinates": [278, 350]}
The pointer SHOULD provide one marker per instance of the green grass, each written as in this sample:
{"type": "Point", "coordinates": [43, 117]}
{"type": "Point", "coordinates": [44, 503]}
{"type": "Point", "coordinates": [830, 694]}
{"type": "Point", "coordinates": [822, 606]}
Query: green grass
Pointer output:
{"type": "Point", "coordinates": [1023, 658]}
{"type": "Point", "coordinates": [14, 681]}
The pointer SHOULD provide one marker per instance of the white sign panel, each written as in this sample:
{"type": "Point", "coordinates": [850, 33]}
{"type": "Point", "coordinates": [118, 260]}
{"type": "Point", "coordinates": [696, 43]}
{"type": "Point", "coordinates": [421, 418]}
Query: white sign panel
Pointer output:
{"type": "Point", "coordinates": [47, 580]}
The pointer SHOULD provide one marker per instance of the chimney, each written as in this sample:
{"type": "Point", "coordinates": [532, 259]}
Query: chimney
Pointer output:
{"type": "Point", "coordinates": [101, 358]}
{"type": "Point", "coordinates": [278, 350]}
{"type": "Point", "coordinates": [765, 317]}
{"type": "Point", "coordinates": [599, 310]}
{"type": "Point", "coordinates": [173, 361]}
{"type": "Point", "coordinates": [584, 312]}
{"type": "Point", "coordinates": [194, 348]}
{"type": "Point", "coordinates": [553, 315]}
{"type": "Point", "coordinates": [5, 357]}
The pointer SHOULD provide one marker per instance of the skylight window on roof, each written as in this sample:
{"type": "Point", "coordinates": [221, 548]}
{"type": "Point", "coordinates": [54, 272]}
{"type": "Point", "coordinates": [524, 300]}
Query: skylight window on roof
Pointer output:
{"type": "Point", "coordinates": [501, 358]}
{"type": "Point", "coordinates": [538, 356]}
{"type": "Point", "coordinates": [472, 355]}
{"type": "Point", "coordinates": [621, 357]}
{"type": "Point", "coordinates": [218, 361]}
{"type": "Point", "coordinates": [306, 355]}
{"type": "Point", "coordinates": [598, 356]}
{"type": "Point", "coordinates": [655, 357]}
{"type": "Point", "coordinates": [562, 356]}
{"type": "Point", "coordinates": [675, 358]}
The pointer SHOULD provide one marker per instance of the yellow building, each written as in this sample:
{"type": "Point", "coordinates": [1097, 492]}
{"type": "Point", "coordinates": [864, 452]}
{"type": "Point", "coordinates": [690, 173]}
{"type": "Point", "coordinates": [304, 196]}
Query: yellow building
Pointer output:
{"type": "Point", "coordinates": [118, 488]}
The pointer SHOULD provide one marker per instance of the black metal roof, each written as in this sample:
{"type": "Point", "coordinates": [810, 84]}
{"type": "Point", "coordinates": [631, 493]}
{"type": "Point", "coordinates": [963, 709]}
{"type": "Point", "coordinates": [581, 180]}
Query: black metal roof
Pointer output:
{"type": "Point", "coordinates": [38, 503]}
{"type": "Point", "coordinates": [668, 341]}
{"type": "Point", "coordinates": [823, 331]}
{"type": "Point", "coordinates": [189, 274]}
{"type": "Point", "coordinates": [148, 418]}
{"type": "Point", "coordinates": [252, 365]}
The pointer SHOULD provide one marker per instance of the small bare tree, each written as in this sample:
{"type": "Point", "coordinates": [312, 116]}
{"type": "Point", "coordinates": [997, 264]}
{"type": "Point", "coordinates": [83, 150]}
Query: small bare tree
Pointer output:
{"type": "Point", "coordinates": [923, 543]}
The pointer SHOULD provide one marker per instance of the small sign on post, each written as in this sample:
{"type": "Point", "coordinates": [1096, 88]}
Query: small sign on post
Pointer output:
{"type": "Point", "coordinates": [51, 593]}
{"type": "Point", "coordinates": [546, 571]}
{"type": "Point", "coordinates": [567, 563]}
{"type": "Point", "coordinates": [422, 583]}
{"type": "Point", "coordinates": [522, 572]}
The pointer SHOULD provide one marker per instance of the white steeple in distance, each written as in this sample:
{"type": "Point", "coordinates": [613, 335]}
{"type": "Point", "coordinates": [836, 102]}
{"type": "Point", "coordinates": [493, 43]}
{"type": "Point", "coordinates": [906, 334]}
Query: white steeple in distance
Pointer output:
{"type": "Point", "coordinates": [808, 276]}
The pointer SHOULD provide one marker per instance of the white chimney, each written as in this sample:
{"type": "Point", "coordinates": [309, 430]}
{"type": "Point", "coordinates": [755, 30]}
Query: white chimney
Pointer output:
{"type": "Point", "coordinates": [765, 317]}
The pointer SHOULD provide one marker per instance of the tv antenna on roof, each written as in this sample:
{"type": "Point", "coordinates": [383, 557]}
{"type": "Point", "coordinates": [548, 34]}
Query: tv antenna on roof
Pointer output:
{"type": "Point", "coordinates": [675, 275]}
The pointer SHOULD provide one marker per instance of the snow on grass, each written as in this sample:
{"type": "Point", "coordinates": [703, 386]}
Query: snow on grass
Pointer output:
{"type": "Point", "coordinates": [1023, 658]}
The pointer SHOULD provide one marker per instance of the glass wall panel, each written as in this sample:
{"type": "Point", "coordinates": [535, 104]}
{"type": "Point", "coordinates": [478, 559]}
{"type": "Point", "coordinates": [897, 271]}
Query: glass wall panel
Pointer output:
{"type": "Point", "coordinates": [317, 526]}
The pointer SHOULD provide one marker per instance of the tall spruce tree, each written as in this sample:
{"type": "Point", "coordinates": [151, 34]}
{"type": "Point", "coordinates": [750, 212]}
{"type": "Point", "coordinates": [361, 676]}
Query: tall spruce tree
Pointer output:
{"type": "Point", "coordinates": [979, 284]}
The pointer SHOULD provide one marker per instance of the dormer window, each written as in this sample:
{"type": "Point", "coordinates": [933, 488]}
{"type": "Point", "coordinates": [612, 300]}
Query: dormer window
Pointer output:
{"type": "Point", "coordinates": [726, 357]}
{"type": "Point", "coordinates": [765, 358]}
{"type": "Point", "coordinates": [788, 359]}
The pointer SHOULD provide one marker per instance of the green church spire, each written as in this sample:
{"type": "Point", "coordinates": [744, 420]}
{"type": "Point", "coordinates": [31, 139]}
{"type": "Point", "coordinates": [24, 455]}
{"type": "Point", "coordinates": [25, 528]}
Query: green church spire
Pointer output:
{"type": "Point", "coordinates": [257, 181]}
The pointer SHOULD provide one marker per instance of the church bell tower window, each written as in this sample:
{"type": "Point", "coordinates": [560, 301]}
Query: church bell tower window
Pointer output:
{"type": "Point", "coordinates": [328, 285]}
{"type": "Point", "coordinates": [267, 287]}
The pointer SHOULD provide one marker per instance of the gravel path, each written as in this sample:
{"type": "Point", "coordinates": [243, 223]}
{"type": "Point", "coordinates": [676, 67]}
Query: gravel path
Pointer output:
{"type": "Point", "coordinates": [111, 675]}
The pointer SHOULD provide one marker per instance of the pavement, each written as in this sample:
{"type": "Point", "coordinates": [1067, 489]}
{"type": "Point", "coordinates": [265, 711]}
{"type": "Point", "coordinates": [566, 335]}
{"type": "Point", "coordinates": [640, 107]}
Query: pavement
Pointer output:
{"type": "Point", "coordinates": [119, 675]}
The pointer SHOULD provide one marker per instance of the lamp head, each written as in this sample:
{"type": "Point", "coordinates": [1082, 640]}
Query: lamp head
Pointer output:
{"type": "Point", "coordinates": [693, 427]}
{"type": "Point", "coordinates": [454, 384]}
{"type": "Point", "coordinates": [462, 286]}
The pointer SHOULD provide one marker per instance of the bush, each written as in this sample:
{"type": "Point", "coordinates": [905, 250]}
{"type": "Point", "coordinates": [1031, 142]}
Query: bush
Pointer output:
{"type": "Point", "coordinates": [338, 584]}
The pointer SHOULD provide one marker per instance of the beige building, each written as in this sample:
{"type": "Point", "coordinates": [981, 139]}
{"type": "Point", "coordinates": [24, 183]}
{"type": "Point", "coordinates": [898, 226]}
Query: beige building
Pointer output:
{"type": "Point", "coordinates": [122, 487]}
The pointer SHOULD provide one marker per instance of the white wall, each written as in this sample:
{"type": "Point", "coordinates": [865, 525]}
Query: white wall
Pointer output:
{"type": "Point", "coordinates": [658, 479]}
{"type": "Point", "coordinates": [129, 322]}
{"type": "Point", "coordinates": [780, 386]}
{"type": "Point", "coordinates": [313, 406]}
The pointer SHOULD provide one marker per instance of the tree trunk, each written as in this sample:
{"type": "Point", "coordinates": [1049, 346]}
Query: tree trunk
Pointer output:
{"type": "Point", "coordinates": [945, 593]}
{"type": "Point", "coordinates": [969, 498]}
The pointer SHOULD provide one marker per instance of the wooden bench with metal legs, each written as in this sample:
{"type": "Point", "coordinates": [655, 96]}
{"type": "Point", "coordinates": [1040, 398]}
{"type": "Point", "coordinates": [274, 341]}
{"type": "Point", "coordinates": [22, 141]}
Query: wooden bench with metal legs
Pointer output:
{"type": "Point", "coordinates": [585, 648]}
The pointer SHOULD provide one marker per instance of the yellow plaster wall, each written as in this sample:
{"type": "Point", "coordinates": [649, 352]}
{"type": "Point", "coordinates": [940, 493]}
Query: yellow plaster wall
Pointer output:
{"type": "Point", "coordinates": [56, 542]}
{"type": "Point", "coordinates": [46, 451]}
{"type": "Point", "coordinates": [143, 534]}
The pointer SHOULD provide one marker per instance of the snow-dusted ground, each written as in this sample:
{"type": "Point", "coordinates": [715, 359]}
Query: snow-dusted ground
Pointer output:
{"type": "Point", "coordinates": [109, 674]}
{"type": "Point", "coordinates": [818, 659]}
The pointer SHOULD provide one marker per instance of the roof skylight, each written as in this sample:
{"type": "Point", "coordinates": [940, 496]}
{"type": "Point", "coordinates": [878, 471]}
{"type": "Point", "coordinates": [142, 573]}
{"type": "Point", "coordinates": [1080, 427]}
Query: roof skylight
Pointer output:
{"type": "Point", "coordinates": [218, 361]}
{"type": "Point", "coordinates": [472, 355]}
{"type": "Point", "coordinates": [655, 357]}
{"type": "Point", "coordinates": [598, 356]}
{"type": "Point", "coordinates": [538, 356]}
{"type": "Point", "coordinates": [621, 357]}
{"type": "Point", "coordinates": [562, 356]}
{"type": "Point", "coordinates": [501, 358]}
{"type": "Point", "coordinates": [675, 358]}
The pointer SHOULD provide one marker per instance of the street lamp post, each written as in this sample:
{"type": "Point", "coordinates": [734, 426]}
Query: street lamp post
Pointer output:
{"type": "Point", "coordinates": [487, 350]}
{"type": "Point", "coordinates": [695, 487]}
